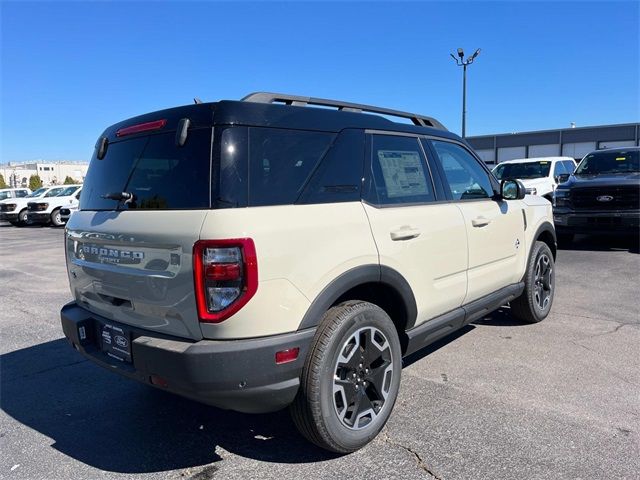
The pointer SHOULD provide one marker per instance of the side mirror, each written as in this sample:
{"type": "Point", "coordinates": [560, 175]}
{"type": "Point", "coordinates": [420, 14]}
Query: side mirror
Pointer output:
{"type": "Point", "coordinates": [512, 190]}
{"type": "Point", "coordinates": [563, 177]}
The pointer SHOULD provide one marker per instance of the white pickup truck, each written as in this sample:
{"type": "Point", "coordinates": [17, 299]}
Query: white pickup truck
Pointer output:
{"type": "Point", "coordinates": [14, 210]}
{"type": "Point", "coordinates": [539, 175]}
{"type": "Point", "coordinates": [47, 210]}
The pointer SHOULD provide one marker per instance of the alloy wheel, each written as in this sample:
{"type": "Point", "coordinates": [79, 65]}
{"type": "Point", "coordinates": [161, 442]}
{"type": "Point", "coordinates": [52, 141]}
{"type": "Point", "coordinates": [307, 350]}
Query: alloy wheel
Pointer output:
{"type": "Point", "coordinates": [362, 377]}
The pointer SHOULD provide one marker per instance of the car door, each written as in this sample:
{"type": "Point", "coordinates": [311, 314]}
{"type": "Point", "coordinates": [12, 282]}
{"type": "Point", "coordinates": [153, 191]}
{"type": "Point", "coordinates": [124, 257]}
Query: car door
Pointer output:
{"type": "Point", "coordinates": [494, 227]}
{"type": "Point", "coordinates": [416, 233]}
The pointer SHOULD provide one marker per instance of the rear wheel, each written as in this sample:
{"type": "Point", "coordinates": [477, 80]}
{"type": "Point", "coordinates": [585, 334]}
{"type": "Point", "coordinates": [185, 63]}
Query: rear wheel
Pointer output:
{"type": "Point", "coordinates": [56, 220]}
{"type": "Point", "coordinates": [535, 302]}
{"type": "Point", "coordinates": [350, 379]}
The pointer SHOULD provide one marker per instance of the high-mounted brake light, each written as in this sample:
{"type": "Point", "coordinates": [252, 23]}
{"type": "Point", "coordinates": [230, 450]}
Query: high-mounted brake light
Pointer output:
{"type": "Point", "coordinates": [225, 276]}
{"type": "Point", "coordinates": [141, 127]}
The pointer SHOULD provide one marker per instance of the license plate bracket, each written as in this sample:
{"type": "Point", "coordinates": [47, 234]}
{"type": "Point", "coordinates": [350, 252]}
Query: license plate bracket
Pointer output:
{"type": "Point", "coordinates": [115, 341]}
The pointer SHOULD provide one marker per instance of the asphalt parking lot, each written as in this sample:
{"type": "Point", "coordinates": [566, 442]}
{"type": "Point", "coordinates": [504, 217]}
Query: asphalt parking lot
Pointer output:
{"type": "Point", "coordinates": [560, 399]}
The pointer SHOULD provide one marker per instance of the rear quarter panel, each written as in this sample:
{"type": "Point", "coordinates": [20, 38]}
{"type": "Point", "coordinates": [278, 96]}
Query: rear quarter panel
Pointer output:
{"type": "Point", "coordinates": [300, 250]}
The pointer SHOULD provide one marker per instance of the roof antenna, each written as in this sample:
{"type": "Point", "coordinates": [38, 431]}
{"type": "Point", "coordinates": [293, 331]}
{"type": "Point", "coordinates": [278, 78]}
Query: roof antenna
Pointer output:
{"type": "Point", "coordinates": [197, 101]}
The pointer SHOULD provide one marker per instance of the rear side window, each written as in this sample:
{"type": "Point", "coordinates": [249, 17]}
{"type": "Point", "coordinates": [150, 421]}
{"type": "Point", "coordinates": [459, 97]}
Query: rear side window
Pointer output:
{"type": "Point", "coordinates": [21, 193]}
{"type": "Point", "coordinates": [399, 171]}
{"type": "Point", "coordinates": [281, 161]}
{"type": "Point", "coordinates": [339, 176]}
{"type": "Point", "coordinates": [160, 175]}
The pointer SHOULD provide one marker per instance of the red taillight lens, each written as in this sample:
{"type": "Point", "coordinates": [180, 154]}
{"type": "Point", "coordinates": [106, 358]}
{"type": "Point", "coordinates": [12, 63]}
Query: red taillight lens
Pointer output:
{"type": "Point", "coordinates": [141, 127]}
{"type": "Point", "coordinates": [225, 275]}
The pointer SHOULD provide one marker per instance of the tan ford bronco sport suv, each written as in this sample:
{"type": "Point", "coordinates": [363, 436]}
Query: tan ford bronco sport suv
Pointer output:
{"type": "Point", "coordinates": [266, 253]}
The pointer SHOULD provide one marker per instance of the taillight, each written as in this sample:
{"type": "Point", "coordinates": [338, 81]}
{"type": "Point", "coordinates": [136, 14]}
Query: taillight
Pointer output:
{"type": "Point", "coordinates": [226, 277]}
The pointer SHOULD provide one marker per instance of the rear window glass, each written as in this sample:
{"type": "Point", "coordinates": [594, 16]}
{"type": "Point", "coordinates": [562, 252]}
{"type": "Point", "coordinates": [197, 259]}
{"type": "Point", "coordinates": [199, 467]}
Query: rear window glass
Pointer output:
{"type": "Point", "coordinates": [160, 175]}
{"type": "Point", "coordinates": [280, 162]}
{"type": "Point", "coordinates": [522, 170]}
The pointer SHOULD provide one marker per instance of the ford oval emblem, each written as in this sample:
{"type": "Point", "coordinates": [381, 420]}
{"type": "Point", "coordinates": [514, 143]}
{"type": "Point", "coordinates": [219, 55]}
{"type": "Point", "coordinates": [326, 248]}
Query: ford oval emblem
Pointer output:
{"type": "Point", "coordinates": [122, 341]}
{"type": "Point", "coordinates": [604, 198]}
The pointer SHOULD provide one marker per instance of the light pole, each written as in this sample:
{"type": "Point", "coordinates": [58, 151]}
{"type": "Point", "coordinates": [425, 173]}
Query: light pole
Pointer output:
{"type": "Point", "coordinates": [461, 62]}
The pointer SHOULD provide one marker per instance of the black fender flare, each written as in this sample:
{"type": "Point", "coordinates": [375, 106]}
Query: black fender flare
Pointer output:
{"type": "Point", "coordinates": [547, 226]}
{"type": "Point", "coordinates": [359, 276]}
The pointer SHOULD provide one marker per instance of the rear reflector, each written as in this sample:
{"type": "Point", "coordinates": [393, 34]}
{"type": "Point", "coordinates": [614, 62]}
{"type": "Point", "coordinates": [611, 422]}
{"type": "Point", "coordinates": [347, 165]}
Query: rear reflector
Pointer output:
{"type": "Point", "coordinates": [286, 356]}
{"type": "Point", "coordinates": [141, 127]}
{"type": "Point", "coordinates": [158, 381]}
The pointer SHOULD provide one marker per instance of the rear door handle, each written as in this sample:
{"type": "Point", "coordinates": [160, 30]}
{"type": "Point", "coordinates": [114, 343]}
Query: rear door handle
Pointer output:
{"type": "Point", "coordinates": [480, 221]}
{"type": "Point", "coordinates": [404, 233]}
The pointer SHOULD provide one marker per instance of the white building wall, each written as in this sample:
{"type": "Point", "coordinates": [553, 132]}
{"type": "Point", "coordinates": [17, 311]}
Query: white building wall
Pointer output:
{"type": "Point", "coordinates": [50, 173]}
{"type": "Point", "coordinates": [548, 150]}
{"type": "Point", "coordinates": [511, 153]}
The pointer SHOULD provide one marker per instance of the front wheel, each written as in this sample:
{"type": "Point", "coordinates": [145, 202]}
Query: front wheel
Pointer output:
{"type": "Point", "coordinates": [56, 220]}
{"type": "Point", "coordinates": [22, 218]}
{"type": "Point", "coordinates": [534, 304]}
{"type": "Point", "coordinates": [350, 379]}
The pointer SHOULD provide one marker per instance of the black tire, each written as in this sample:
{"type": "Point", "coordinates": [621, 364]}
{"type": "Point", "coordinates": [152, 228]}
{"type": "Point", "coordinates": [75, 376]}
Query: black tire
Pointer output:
{"type": "Point", "coordinates": [56, 221]}
{"type": "Point", "coordinates": [14, 223]}
{"type": "Point", "coordinates": [22, 217]}
{"type": "Point", "coordinates": [323, 410]}
{"type": "Point", "coordinates": [535, 302]}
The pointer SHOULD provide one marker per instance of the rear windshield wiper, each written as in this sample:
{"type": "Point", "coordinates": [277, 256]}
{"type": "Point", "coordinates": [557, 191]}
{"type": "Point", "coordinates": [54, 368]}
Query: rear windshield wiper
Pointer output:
{"type": "Point", "coordinates": [125, 197]}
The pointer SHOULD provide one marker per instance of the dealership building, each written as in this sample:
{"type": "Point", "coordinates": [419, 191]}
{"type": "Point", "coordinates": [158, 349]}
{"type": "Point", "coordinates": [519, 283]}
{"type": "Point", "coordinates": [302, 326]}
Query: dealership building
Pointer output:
{"type": "Point", "coordinates": [569, 142]}
{"type": "Point", "coordinates": [51, 173]}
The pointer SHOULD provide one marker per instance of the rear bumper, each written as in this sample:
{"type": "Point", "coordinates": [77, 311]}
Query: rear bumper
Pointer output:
{"type": "Point", "coordinates": [237, 375]}
{"type": "Point", "coordinates": [614, 221]}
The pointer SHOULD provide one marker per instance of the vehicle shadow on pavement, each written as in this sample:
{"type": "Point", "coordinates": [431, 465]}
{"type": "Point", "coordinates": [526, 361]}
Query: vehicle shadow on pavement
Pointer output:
{"type": "Point", "coordinates": [603, 243]}
{"type": "Point", "coordinates": [425, 352]}
{"type": "Point", "coordinates": [115, 424]}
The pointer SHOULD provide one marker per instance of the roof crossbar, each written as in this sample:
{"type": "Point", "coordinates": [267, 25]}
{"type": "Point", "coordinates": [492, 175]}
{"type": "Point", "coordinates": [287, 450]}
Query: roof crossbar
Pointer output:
{"type": "Point", "coordinates": [300, 101]}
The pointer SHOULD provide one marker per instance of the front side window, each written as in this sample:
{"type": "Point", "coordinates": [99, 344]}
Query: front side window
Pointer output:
{"type": "Point", "coordinates": [569, 166]}
{"type": "Point", "coordinates": [558, 169]}
{"type": "Point", "coordinates": [68, 191]}
{"type": "Point", "coordinates": [399, 171]}
{"type": "Point", "coordinates": [54, 192]}
{"type": "Point", "coordinates": [37, 193]}
{"type": "Point", "coordinates": [465, 176]}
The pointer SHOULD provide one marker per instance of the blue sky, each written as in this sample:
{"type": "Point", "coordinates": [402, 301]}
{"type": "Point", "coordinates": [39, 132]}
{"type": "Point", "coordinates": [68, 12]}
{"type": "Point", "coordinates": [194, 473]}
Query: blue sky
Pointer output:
{"type": "Point", "coordinates": [71, 69]}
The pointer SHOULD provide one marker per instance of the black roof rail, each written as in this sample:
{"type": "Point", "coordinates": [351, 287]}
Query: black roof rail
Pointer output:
{"type": "Point", "coordinates": [300, 101]}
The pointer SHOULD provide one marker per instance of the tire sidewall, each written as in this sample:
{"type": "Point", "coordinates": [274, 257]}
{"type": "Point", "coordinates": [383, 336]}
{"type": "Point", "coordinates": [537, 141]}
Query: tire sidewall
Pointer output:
{"type": "Point", "coordinates": [22, 217]}
{"type": "Point", "coordinates": [54, 222]}
{"type": "Point", "coordinates": [367, 316]}
{"type": "Point", "coordinates": [540, 249]}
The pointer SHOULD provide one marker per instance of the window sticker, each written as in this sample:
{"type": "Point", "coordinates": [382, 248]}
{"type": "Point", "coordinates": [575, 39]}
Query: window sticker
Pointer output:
{"type": "Point", "coordinates": [621, 159]}
{"type": "Point", "coordinates": [403, 173]}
